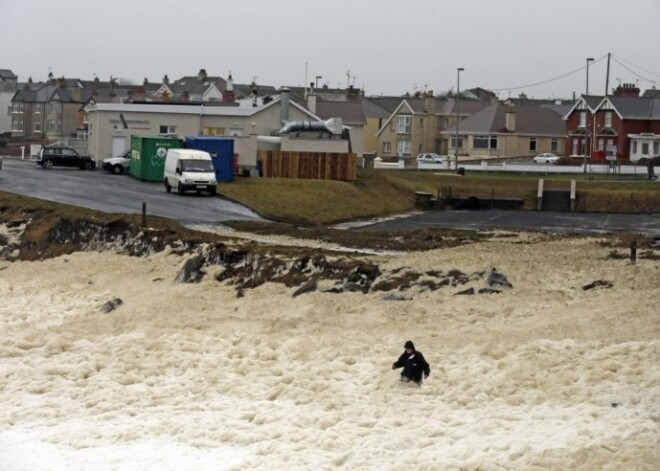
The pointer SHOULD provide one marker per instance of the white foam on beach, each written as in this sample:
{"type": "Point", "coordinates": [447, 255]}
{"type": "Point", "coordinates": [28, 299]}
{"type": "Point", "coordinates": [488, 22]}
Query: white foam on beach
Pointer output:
{"type": "Point", "coordinates": [545, 376]}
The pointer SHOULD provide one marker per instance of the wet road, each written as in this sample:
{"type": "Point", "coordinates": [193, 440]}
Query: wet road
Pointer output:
{"type": "Point", "coordinates": [103, 191]}
{"type": "Point", "coordinates": [580, 223]}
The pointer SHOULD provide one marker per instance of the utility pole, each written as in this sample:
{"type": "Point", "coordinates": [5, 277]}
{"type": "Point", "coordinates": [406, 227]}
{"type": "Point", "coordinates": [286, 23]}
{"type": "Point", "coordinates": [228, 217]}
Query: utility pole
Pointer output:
{"type": "Point", "coordinates": [607, 76]}
{"type": "Point", "coordinates": [458, 101]}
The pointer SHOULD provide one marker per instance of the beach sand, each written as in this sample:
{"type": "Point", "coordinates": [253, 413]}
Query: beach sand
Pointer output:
{"type": "Point", "coordinates": [189, 376]}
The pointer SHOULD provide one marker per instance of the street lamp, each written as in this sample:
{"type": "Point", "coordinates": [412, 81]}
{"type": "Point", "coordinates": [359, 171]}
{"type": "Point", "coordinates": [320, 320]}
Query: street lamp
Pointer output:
{"type": "Point", "coordinates": [458, 101]}
{"type": "Point", "coordinates": [587, 149]}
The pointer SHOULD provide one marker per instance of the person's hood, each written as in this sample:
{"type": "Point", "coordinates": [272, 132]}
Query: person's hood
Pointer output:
{"type": "Point", "coordinates": [409, 344]}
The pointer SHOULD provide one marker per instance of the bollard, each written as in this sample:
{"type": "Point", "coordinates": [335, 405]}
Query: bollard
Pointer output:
{"type": "Point", "coordinates": [633, 252]}
{"type": "Point", "coordinates": [144, 214]}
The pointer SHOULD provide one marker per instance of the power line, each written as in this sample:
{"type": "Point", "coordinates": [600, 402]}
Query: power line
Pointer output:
{"type": "Point", "coordinates": [568, 74]}
{"type": "Point", "coordinates": [636, 66]}
{"type": "Point", "coordinates": [655, 82]}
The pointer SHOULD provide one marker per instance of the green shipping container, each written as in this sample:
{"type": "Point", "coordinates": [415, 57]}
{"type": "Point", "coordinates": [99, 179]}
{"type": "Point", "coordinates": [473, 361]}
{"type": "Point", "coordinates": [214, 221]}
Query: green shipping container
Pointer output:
{"type": "Point", "coordinates": [148, 156]}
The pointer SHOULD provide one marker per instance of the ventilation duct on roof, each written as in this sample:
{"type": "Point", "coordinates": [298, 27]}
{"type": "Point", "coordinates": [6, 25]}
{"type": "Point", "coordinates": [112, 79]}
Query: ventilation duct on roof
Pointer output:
{"type": "Point", "coordinates": [331, 126]}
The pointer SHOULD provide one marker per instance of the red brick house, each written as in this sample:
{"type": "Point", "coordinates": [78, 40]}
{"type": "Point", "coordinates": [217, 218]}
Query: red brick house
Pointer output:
{"type": "Point", "coordinates": [624, 125]}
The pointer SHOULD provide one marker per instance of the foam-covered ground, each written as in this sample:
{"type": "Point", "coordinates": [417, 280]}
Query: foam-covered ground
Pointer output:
{"type": "Point", "coordinates": [545, 376]}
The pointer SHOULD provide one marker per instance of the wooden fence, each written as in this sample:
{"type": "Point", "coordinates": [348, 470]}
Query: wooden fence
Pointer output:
{"type": "Point", "coordinates": [312, 165]}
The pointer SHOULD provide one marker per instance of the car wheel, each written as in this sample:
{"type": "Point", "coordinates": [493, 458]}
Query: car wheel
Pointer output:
{"type": "Point", "coordinates": [87, 165]}
{"type": "Point", "coordinates": [47, 164]}
{"type": "Point", "coordinates": [179, 188]}
{"type": "Point", "coordinates": [117, 169]}
{"type": "Point", "coordinates": [168, 187]}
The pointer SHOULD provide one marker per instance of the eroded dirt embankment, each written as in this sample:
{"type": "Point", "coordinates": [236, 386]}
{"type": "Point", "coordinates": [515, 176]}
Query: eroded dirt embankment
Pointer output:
{"type": "Point", "coordinates": [245, 264]}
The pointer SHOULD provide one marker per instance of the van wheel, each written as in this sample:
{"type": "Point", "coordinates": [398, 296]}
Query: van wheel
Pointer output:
{"type": "Point", "coordinates": [212, 191]}
{"type": "Point", "coordinates": [179, 188]}
{"type": "Point", "coordinates": [47, 164]}
{"type": "Point", "coordinates": [168, 188]}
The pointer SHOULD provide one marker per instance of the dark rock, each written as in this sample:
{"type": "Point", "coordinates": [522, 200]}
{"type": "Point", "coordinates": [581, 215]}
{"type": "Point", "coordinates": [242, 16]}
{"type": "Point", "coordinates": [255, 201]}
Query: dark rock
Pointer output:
{"type": "Point", "coordinates": [308, 287]}
{"type": "Point", "coordinates": [598, 284]}
{"type": "Point", "coordinates": [469, 291]}
{"type": "Point", "coordinates": [240, 293]}
{"type": "Point", "coordinates": [352, 287]}
{"type": "Point", "coordinates": [111, 305]}
{"type": "Point", "coordinates": [158, 279]}
{"type": "Point", "coordinates": [489, 291]}
{"type": "Point", "coordinates": [393, 297]}
{"type": "Point", "coordinates": [192, 271]}
{"type": "Point", "coordinates": [3, 240]}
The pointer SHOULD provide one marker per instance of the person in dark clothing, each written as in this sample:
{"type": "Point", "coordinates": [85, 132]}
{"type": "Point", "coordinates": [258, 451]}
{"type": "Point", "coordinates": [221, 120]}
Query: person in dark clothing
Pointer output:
{"type": "Point", "coordinates": [413, 363]}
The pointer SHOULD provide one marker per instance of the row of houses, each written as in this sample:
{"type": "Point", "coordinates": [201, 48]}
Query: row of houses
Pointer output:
{"type": "Point", "coordinates": [474, 126]}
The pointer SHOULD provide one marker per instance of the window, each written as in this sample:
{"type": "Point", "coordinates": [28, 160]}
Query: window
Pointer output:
{"type": "Point", "coordinates": [485, 142]}
{"type": "Point", "coordinates": [36, 127]}
{"type": "Point", "coordinates": [532, 143]}
{"type": "Point", "coordinates": [17, 125]}
{"type": "Point", "coordinates": [452, 142]}
{"type": "Point", "coordinates": [52, 125]}
{"type": "Point", "coordinates": [645, 148]}
{"type": "Point", "coordinates": [601, 144]}
{"type": "Point", "coordinates": [167, 129]}
{"type": "Point", "coordinates": [214, 131]}
{"type": "Point", "coordinates": [634, 147]}
{"type": "Point", "coordinates": [608, 119]}
{"type": "Point", "coordinates": [656, 148]}
{"type": "Point", "coordinates": [69, 153]}
{"type": "Point", "coordinates": [38, 108]}
{"type": "Point", "coordinates": [403, 148]}
{"type": "Point", "coordinates": [554, 145]}
{"type": "Point", "coordinates": [387, 147]}
{"type": "Point", "coordinates": [583, 119]}
{"type": "Point", "coordinates": [403, 124]}
{"type": "Point", "coordinates": [576, 143]}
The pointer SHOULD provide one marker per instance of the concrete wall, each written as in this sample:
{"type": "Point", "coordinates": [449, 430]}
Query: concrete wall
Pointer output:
{"type": "Point", "coordinates": [5, 118]}
{"type": "Point", "coordinates": [313, 145]}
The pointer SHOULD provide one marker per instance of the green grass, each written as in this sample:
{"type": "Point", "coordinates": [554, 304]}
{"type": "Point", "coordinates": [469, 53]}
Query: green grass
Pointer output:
{"type": "Point", "coordinates": [379, 193]}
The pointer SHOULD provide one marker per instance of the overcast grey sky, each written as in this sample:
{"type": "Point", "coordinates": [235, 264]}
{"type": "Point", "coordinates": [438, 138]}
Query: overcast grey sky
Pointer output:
{"type": "Point", "coordinates": [389, 46]}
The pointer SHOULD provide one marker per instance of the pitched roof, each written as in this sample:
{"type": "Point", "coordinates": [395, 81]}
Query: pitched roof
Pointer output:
{"type": "Point", "coordinates": [535, 121]}
{"type": "Point", "coordinates": [651, 93]}
{"type": "Point", "coordinates": [371, 109]}
{"type": "Point", "coordinates": [465, 107]}
{"type": "Point", "coordinates": [389, 103]}
{"type": "Point", "coordinates": [636, 107]}
{"type": "Point", "coordinates": [351, 112]}
{"type": "Point", "coordinates": [7, 74]}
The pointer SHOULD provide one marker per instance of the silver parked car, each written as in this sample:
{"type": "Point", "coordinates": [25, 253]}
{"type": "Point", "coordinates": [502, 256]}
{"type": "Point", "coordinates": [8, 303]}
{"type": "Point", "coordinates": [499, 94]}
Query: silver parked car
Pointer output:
{"type": "Point", "coordinates": [431, 158]}
{"type": "Point", "coordinates": [547, 158]}
{"type": "Point", "coordinates": [119, 164]}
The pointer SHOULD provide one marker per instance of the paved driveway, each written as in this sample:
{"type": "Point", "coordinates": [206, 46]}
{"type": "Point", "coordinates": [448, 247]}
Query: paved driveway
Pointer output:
{"type": "Point", "coordinates": [116, 193]}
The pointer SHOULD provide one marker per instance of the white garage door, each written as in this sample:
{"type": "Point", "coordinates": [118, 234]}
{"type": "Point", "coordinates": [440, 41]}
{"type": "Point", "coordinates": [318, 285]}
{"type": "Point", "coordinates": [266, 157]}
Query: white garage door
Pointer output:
{"type": "Point", "coordinates": [118, 146]}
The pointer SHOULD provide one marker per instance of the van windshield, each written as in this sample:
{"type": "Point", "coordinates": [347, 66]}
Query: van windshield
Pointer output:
{"type": "Point", "coordinates": [196, 166]}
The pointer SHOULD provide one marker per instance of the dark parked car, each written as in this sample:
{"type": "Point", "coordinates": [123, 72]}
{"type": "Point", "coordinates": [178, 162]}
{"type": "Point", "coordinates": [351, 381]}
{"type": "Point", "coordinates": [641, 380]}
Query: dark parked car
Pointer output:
{"type": "Point", "coordinates": [51, 156]}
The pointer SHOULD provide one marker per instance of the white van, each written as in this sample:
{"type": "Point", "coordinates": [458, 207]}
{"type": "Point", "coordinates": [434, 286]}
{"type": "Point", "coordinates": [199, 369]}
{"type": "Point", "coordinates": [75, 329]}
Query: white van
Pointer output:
{"type": "Point", "coordinates": [188, 169]}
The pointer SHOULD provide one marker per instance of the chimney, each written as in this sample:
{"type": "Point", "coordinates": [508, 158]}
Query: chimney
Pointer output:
{"type": "Point", "coordinates": [166, 80]}
{"type": "Point", "coordinates": [429, 102]}
{"type": "Point", "coordinates": [284, 105]}
{"type": "Point", "coordinates": [201, 75]}
{"type": "Point", "coordinates": [510, 121]}
{"type": "Point", "coordinates": [352, 92]}
{"type": "Point", "coordinates": [627, 89]}
{"type": "Point", "coordinates": [311, 102]}
{"type": "Point", "coordinates": [145, 82]}
{"type": "Point", "coordinates": [228, 95]}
